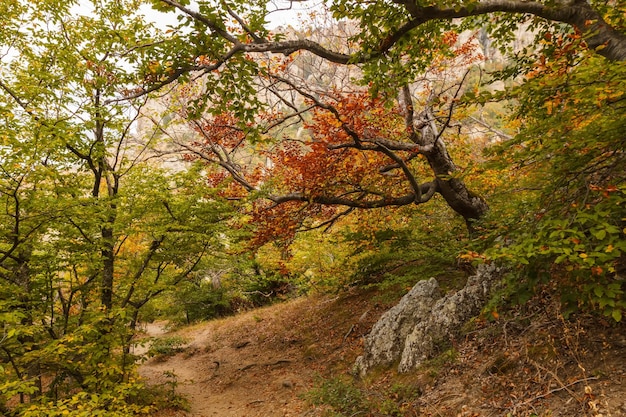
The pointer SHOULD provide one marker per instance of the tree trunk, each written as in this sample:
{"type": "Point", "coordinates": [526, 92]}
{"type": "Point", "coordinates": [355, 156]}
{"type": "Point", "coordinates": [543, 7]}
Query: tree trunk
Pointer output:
{"type": "Point", "coordinates": [463, 201]}
{"type": "Point", "coordinates": [108, 262]}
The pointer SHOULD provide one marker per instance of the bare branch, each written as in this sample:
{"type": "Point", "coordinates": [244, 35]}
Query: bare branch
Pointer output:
{"type": "Point", "coordinates": [428, 190]}
{"type": "Point", "coordinates": [327, 224]}
{"type": "Point", "coordinates": [451, 108]}
{"type": "Point", "coordinates": [391, 167]}
{"type": "Point", "coordinates": [214, 26]}
{"type": "Point", "coordinates": [405, 169]}
{"type": "Point", "coordinates": [377, 142]}
{"type": "Point", "coordinates": [324, 106]}
{"type": "Point", "coordinates": [491, 128]}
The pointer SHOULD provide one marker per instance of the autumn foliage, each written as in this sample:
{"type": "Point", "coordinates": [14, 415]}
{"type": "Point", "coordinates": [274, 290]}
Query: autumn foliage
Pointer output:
{"type": "Point", "coordinates": [332, 149]}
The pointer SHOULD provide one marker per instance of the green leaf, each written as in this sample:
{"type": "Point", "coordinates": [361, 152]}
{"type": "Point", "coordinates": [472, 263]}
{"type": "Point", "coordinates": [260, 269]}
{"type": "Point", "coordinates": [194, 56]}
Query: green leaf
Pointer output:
{"type": "Point", "coordinates": [617, 315]}
{"type": "Point", "coordinates": [600, 234]}
{"type": "Point", "coordinates": [598, 291]}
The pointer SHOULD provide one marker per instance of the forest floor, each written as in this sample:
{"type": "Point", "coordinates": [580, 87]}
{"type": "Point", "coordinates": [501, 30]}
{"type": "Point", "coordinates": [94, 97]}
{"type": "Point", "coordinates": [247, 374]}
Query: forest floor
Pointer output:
{"type": "Point", "coordinates": [528, 362]}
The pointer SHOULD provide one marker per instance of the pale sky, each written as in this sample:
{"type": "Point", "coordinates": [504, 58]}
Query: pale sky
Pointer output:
{"type": "Point", "coordinates": [281, 12]}
{"type": "Point", "coordinates": [284, 13]}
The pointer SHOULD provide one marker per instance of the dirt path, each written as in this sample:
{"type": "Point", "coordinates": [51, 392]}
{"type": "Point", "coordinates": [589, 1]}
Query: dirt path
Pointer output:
{"type": "Point", "coordinates": [222, 377]}
{"type": "Point", "coordinates": [232, 380]}
{"type": "Point", "coordinates": [255, 364]}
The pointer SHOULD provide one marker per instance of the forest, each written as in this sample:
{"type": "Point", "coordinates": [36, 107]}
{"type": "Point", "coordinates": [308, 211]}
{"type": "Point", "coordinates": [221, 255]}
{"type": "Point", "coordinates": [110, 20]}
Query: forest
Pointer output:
{"type": "Point", "coordinates": [195, 159]}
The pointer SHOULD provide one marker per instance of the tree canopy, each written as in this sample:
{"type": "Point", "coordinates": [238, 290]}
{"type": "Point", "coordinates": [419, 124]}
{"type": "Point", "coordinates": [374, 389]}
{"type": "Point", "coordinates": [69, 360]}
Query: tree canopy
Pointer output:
{"type": "Point", "coordinates": [388, 47]}
{"type": "Point", "coordinates": [382, 139]}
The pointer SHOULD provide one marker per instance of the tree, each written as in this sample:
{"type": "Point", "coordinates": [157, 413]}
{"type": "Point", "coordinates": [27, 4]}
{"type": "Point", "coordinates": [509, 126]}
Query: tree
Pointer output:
{"type": "Point", "coordinates": [394, 43]}
{"type": "Point", "coordinates": [92, 228]}
{"type": "Point", "coordinates": [351, 149]}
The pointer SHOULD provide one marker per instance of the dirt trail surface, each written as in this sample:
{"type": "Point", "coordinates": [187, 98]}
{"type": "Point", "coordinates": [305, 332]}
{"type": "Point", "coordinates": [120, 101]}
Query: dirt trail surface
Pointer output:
{"type": "Point", "coordinates": [260, 362]}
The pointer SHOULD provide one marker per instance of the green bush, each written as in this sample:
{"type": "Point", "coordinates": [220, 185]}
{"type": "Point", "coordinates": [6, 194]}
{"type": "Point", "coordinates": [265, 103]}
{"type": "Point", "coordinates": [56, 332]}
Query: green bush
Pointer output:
{"type": "Point", "coordinates": [343, 397]}
{"type": "Point", "coordinates": [166, 346]}
{"type": "Point", "coordinates": [123, 400]}
{"type": "Point", "coordinates": [582, 255]}
{"type": "Point", "coordinates": [569, 194]}
{"type": "Point", "coordinates": [399, 257]}
{"type": "Point", "coordinates": [339, 394]}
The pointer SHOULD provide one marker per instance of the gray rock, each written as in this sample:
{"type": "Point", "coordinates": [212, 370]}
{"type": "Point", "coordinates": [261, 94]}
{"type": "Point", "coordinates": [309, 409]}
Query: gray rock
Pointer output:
{"type": "Point", "coordinates": [411, 330]}
{"type": "Point", "coordinates": [384, 344]}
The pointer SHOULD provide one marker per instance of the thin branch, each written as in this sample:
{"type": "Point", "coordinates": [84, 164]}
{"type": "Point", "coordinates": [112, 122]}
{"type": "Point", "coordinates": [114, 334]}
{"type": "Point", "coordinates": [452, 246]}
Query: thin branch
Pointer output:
{"type": "Point", "coordinates": [376, 142]}
{"type": "Point", "coordinates": [446, 124]}
{"type": "Point", "coordinates": [324, 106]}
{"type": "Point", "coordinates": [80, 230]}
{"type": "Point", "coordinates": [243, 24]}
{"type": "Point", "coordinates": [335, 200]}
{"type": "Point", "coordinates": [224, 161]}
{"type": "Point", "coordinates": [156, 244]}
{"type": "Point", "coordinates": [491, 128]}
{"type": "Point", "coordinates": [391, 167]}
{"type": "Point", "coordinates": [405, 169]}
{"type": "Point", "coordinates": [214, 26]}
{"type": "Point", "coordinates": [327, 224]}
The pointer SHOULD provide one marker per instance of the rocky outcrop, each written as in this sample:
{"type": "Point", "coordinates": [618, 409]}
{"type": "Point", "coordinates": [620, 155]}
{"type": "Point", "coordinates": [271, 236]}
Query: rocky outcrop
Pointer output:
{"type": "Point", "coordinates": [385, 343]}
{"type": "Point", "coordinates": [410, 331]}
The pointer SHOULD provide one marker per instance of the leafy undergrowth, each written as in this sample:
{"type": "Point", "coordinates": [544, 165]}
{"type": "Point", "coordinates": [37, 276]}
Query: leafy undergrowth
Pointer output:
{"type": "Point", "coordinates": [295, 359]}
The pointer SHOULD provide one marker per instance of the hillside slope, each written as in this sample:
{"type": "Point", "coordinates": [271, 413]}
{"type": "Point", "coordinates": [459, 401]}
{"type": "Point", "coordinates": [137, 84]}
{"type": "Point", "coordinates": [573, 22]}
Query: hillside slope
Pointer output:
{"type": "Point", "coordinates": [263, 363]}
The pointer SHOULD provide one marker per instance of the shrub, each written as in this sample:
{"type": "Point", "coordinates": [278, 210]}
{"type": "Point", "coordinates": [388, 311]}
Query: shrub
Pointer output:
{"type": "Point", "coordinates": [166, 346]}
{"type": "Point", "coordinates": [339, 394]}
{"type": "Point", "coordinates": [581, 254]}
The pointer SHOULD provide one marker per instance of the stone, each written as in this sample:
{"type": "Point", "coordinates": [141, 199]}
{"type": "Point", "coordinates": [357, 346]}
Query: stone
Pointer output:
{"type": "Point", "coordinates": [410, 332]}
{"type": "Point", "coordinates": [383, 345]}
